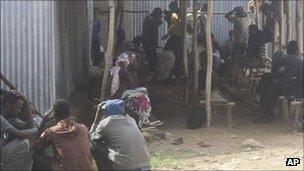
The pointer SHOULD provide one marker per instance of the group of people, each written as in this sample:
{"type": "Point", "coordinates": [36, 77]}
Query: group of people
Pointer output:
{"type": "Point", "coordinates": [113, 142]}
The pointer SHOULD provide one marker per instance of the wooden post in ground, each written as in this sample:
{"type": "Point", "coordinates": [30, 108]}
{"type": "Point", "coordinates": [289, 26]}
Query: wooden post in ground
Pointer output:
{"type": "Point", "coordinates": [281, 25]}
{"type": "Point", "coordinates": [110, 49]}
{"type": "Point", "coordinates": [195, 48]}
{"type": "Point", "coordinates": [209, 62]}
{"type": "Point", "coordinates": [185, 53]}
{"type": "Point", "coordinates": [288, 21]}
{"type": "Point", "coordinates": [299, 24]}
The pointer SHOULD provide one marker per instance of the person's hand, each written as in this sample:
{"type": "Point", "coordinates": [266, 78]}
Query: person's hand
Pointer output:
{"type": "Point", "coordinates": [18, 94]}
{"type": "Point", "coordinates": [47, 116]}
{"type": "Point", "coordinates": [164, 37]}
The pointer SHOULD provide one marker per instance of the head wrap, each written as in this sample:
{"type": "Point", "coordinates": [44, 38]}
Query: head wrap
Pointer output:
{"type": "Point", "coordinates": [113, 107]}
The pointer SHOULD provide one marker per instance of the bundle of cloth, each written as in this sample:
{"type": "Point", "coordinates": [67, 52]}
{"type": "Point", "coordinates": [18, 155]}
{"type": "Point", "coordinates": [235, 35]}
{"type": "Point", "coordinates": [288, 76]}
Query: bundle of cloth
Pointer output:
{"type": "Point", "coordinates": [138, 105]}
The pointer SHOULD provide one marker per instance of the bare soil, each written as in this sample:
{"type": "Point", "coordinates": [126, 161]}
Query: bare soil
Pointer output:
{"type": "Point", "coordinates": [226, 152]}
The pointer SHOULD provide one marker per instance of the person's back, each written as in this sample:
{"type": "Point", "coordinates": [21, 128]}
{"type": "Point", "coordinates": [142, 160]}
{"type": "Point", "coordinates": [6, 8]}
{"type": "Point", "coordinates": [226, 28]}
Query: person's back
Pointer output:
{"type": "Point", "coordinates": [150, 28]}
{"type": "Point", "coordinates": [293, 76]}
{"type": "Point", "coordinates": [69, 140]}
{"type": "Point", "coordinates": [127, 146]}
{"type": "Point", "coordinates": [72, 149]}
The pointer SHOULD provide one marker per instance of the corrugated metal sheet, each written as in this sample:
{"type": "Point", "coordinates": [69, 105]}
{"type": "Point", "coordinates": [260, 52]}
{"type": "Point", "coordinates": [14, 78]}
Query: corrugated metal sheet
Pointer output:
{"type": "Point", "coordinates": [26, 49]}
{"type": "Point", "coordinates": [220, 26]}
{"type": "Point", "coordinates": [44, 47]}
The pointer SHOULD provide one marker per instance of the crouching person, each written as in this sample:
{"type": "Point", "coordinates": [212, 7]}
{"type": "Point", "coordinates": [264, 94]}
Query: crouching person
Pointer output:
{"type": "Point", "coordinates": [117, 143]}
{"type": "Point", "coordinates": [16, 130]}
{"type": "Point", "coordinates": [69, 140]}
{"type": "Point", "coordinates": [15, 155]}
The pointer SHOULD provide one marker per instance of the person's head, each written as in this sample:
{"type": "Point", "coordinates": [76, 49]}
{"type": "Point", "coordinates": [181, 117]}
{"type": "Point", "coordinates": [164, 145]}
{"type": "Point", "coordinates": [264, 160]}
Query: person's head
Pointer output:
{"type": "Point", "coordinates": [204, 7]}
{"type": "Point", "coordinates": [157, 12]}
{"type": "Point", "coordinates": [239, 12]}
{"type": "Point", "coordinates": [173, 6]}
{"type": "Point", "coordinates": [13, 104]}
{"type": "Point", "coordinates": [113, 107]}
{"type": "Point", "coordinates": [292, 48]}
{"type": "Point", "coordinates": [137, 41]}
{"type": "Point", "coordinates": [265, 8]}
{"type": "Point", "coordinates": [61, 109]}
{"type": "Point", "coordinates": [174, 18]}
{"type": "Point", "coordinates": [253, 28]}
{"type": "Point", "coordinates": [278, 59]}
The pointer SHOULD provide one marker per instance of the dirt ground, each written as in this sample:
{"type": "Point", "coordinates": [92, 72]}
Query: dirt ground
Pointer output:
{"type": "Point", "coordinates": [224, 149]}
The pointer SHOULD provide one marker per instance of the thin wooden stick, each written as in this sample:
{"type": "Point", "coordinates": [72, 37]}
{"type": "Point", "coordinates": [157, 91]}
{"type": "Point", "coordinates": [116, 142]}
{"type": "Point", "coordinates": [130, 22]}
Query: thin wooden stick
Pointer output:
{"type": "Point", "coordinates": [7, 82]}
{"type": "Point", "coordinates": [209, 62]}
{"type": "Point", "coordinates": [195, 48]}
{"type": "Point", "coordinates": [110, 49]}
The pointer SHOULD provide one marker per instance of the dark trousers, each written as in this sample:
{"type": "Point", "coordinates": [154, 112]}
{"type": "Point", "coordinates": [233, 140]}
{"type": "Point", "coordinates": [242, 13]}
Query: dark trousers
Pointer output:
{"type": "Point", "coordinates": [100, 153]}
{"type": "Point", "coordinates": [175, 43]}
{"type": "Point", "coordinates": [151, 56]}
{"type": "Point", "coordinates": [269, 90]}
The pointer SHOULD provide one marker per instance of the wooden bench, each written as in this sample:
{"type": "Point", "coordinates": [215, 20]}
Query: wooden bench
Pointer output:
{"type": "Point", "coordinates": [295, 107]}
{"type": "Point", "coordinates": [218, 100]}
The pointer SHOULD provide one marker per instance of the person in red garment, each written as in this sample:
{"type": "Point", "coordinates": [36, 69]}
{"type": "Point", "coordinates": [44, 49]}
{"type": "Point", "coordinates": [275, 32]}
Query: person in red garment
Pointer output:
{"type": "Point", "coordinates": [69, 140]}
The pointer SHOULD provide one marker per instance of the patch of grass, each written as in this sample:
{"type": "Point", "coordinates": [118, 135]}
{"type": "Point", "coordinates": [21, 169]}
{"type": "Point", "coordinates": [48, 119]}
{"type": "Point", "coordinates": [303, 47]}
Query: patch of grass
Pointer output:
{"type": "Point", "coordinates": [161, 160]}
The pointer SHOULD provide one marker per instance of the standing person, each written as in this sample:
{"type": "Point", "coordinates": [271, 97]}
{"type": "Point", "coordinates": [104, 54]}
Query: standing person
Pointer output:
{"type": "Point", "coordinates": [116, 139]}
{"type": "Point", "coordinates": [150, 37]}
{"type": "Point", "coordinates": [96, 53]}
{"type": "Point", "coordinates": [69, 140]}
{"type": "Point", "coordinates": [241, 23]}
{"type": "Point", "coordinates": [202, 21]}
{"type": "Point", "coordinates": [255, 47]}
{"type": "Point", "coordinates": [175, 42]}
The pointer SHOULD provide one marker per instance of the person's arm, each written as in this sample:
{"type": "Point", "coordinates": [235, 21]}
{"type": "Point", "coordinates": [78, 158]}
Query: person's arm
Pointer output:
{"type": "Point", "coordinates": [42, 142]}
{"type": "Point", "coordinates": [28, 118]}
{"type": "Point", "coordinates": [22, 134]}
{"type": "Point", "coordinates": [230, 16]}
{"type": "Point", "coordinates": [97, 119]}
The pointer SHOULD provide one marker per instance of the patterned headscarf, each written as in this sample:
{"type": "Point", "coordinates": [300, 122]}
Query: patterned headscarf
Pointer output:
{"type": "Point", "coordinates": [138, 102]}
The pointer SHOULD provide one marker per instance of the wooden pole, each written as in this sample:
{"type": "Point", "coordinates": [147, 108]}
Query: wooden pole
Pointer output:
{"type": "Point", "coordinates": [185, 53]}
{"type": "Point", "coordinates": [299, 24]}
{"type": "Point", "coordinates": [110, 49]}
{"type": "Point", "coordinates": [288, 21]}
{"type": "Point", "coordinates": [209, 62]}
{"type": "Point", "coordinates": [195, 48]}
{"type": "Point", "coordinates": [281, 25]}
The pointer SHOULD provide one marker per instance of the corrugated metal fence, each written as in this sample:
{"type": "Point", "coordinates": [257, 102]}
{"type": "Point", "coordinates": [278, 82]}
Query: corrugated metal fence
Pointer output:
{"type": "Point", "coordinates": [26, 49]}
{"type": "Point", "coordinates": [44, 47]}
{"type": "Point", "coordinates": [220, 25]}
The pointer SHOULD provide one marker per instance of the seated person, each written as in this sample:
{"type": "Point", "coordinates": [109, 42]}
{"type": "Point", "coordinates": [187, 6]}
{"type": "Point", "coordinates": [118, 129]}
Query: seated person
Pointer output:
{"type": "Point", "coordinates": [137, 105]}
{"type": "Point", "coordinates": [120, 78]}
{"type": "Point", "coordinates": [285, 79]}
{"type": "Point", "coordinates": [133, 46]}
{"type": "Point", "coordinates": [68, 139]}
{"type": "Point", "coordinates": [18, 126]}
{"type": "Point", "coordinates": [165, 64]}
{"type": "Point", "coordinates": [16, 110]}
{"type": "Point", "coordinates": [116, 138]}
